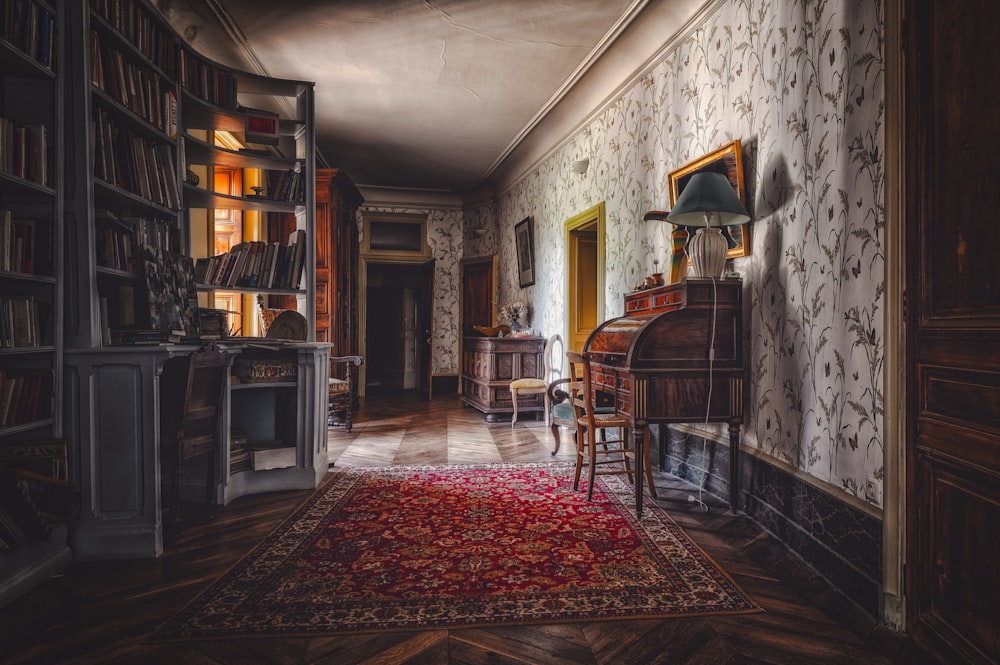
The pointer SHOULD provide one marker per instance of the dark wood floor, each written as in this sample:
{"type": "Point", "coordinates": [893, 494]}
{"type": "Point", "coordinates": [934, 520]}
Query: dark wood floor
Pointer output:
{"type": "Point", "coordinates": [103, 612]}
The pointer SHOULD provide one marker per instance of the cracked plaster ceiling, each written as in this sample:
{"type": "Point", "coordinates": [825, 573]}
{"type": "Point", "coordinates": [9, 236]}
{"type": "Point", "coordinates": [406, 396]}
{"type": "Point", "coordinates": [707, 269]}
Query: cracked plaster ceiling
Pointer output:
{"type": "Point", "coordinates": [424, 95]}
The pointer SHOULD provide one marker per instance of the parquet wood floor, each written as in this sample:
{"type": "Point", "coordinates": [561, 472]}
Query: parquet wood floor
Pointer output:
{"type": "Point", "coordinates": [104, 612]}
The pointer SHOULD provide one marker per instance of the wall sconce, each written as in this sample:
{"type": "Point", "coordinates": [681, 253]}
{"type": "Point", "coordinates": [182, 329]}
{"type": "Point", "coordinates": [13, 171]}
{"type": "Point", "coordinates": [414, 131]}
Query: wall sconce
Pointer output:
{"type": "Point", "coordinates": [580, 166]}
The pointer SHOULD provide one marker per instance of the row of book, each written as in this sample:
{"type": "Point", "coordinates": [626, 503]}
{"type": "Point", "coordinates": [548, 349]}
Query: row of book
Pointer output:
{"type": "Point", "coordinates": [31, 28]}
{"type": "Point", "coordinates": [256, 264]}
{"type": "Point", "coordinates": [24, 149]}
{"type": "Point", "coordinates": [20, 323]}
{"type": "Point", "coordinates": [119, 239]}
{"type": "Point", "coordinates": [137, 26]}
{"type": "Point", "coordinates": [286, 185]}
{"type": "Point", "coordinates": [138, 88]}
{"type": "Point", "coordinates": [26, 395]}
{"type": "Point", "coordinates": [207, 81]}
{"type": "Point", "coordinates": [135, 164]}
{"type": "Point", "coordinates": [17, 244]}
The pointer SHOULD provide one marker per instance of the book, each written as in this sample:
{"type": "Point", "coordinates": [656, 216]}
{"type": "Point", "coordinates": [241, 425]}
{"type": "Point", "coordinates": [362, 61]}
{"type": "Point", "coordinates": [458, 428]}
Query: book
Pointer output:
{"type": "Point", "coordinates": [261, 126]}
{"type": "Point", "coordinates": [271, 455]}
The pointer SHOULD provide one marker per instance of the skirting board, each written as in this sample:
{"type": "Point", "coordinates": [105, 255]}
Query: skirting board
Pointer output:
{"type": "Point", "coordinates": [839, 541]}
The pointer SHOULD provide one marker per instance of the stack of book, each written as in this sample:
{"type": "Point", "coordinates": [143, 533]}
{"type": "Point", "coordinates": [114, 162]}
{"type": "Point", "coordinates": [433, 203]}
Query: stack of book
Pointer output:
{"type": "Point", "coordinates": [239, 455]}
{"type": "Point", "coordinates": [266, 455]}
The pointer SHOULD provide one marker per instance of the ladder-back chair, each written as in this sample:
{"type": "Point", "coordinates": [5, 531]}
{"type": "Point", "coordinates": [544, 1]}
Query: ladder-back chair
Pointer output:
{"type": "Point", "coordinates": [190, 429]}
{"type": "Point", "coordinates": [600, 454]}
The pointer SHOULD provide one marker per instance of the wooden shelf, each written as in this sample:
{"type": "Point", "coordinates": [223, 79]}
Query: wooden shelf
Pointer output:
{"type": "Point", "coordinates": [195, 197]}
{"type": "Point", "coordinates": [199, 152]}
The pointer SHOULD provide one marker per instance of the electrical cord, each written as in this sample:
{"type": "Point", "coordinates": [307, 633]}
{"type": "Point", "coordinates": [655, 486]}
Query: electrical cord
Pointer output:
{"type": "Point", "coordinates": [708, 403]}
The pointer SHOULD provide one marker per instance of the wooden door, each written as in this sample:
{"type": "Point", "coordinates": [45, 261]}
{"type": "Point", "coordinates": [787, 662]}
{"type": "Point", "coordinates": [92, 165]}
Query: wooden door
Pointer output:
{"type": "Point", "coordinates": [953, 329]}
{"type": "Point", "coordinates": [426, 327]}
{"type": "Point", "coordinates": [583, 271]}
{"type": "Point", "coordinates": [479, 293]}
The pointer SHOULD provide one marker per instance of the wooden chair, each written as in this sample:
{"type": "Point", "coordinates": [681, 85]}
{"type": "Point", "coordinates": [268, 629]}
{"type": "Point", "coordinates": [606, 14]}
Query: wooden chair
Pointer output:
{"type": "Point", "coordinates": [603, 456]}
{"type": "Point", "coordinates": [539, 386]}
{"type": "Point", "coordinates": [342, 391]}
{"type": "Point", "coordinates": [562, 414]}
{"type": "Point", "coordinates": [190, 429]}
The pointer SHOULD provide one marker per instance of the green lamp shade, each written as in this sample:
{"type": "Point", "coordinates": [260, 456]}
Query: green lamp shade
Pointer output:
{"type": "Point", "coordinates": [708, 201]}
{"type": "Point", "coordinates": [706, 193]}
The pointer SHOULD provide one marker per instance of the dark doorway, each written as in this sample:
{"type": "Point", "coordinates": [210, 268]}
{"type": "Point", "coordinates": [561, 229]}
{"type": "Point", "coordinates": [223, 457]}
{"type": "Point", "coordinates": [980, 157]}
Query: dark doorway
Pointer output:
{"type": "Point", "coordinates": [397, 306]}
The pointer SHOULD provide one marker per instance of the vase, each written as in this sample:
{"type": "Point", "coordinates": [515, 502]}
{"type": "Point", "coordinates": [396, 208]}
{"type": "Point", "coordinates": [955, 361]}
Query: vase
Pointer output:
{"type": "Point", "coordinates": [515, 326]}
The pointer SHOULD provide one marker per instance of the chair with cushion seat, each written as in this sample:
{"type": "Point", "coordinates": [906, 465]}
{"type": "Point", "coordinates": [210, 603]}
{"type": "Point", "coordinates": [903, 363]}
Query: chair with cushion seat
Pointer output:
{"type": "Point", "coordinates": [342, 390]}
{"type": "Point", "coordinates": [601, 455]}
{"type": "Point", "coordinates": [537, 386]}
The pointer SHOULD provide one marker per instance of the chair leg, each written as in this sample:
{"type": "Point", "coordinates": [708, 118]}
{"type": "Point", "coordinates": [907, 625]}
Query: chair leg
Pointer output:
{"type": "Point", "coordinates": [555, 435]}
{"type": "Point", "coordinates": [592, 450]}
{"type": "Point", "coordinates": [581, 439]}
{"type": "Point", "coordinates": [513, 398]}
{"type": "Point", "coordinates": [548, 408]}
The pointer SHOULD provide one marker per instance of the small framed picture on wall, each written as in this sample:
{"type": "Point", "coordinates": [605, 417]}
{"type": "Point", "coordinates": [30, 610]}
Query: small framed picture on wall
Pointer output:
{"type": "Point", "coordinates": [524, 240]}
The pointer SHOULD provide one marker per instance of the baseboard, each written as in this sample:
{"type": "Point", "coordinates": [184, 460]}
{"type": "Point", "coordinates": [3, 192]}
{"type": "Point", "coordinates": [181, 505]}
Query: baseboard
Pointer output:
{"type": "Point", "coordinates": [444, 384]}
{"type": "Point", "coordinates": [840, 542]}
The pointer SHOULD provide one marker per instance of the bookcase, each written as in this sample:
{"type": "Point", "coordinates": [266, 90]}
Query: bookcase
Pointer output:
{"type": "Point", "coordinates": [31, 275]}
{"type": "Point", "coordinates": [146, 112]}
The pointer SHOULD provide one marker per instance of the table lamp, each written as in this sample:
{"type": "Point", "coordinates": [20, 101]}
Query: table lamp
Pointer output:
{"type": "Point", "coordinates": [709, 202]}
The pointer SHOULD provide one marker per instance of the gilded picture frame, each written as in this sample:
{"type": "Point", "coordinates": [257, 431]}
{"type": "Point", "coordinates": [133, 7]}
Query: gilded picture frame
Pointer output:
{"type": "Point", "coordinates": [727, 160]}
{"type": "Point", "coordinates": [524, 241]}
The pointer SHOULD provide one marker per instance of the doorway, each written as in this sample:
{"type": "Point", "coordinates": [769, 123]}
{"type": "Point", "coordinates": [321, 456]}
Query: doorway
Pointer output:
{"type": "Point", "coordinates": [584, 275]}
{"type": "Point", "coordinates": [397, 327]}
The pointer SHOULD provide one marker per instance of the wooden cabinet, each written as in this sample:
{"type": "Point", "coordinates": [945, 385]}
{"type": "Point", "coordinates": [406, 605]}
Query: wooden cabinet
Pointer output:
{"type": "Point", "coordinates": [337, 201]}
{"type": "Point", "coordinates": [489, 364]}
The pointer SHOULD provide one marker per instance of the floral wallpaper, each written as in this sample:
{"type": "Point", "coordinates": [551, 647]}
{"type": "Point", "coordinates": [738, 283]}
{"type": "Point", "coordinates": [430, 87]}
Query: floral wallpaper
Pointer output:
{"type": "Point", "coordinates": [445, 239]}
{"type": "Point", "coordinates": [800, 83]}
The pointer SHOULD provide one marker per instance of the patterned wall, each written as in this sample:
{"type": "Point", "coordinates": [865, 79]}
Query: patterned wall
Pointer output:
{"type": "Point", "coordinates": [800, 83]}
{"type": "Point", "coordinates": [445, 239]}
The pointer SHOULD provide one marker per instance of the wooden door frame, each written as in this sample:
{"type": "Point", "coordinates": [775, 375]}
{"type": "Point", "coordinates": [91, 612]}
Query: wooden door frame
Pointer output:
{"type": "Point", "coordinates": [894, 481]}
{"type": "Point", "coordinates": [594, 215]}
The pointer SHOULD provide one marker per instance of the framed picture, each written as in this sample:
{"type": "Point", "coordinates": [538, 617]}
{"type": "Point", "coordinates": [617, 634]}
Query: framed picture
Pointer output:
{"type": "Point", "coordinates": [727, 160]}
{"type": "Point", "coordinates": [524, 240]}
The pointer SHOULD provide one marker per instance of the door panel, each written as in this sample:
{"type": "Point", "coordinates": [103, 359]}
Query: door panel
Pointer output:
{"type": "Point", "coordinates": [583, 292]}
{"type": "Point", "coordinates": [953, 330]}
{"type": "Point", "coordinates": [478, 292]}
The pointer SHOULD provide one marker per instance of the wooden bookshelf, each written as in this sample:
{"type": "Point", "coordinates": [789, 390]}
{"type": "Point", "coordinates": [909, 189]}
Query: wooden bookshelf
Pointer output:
{"type": "Point", "coordinates": [32, 191]}
{"type": "Point", "coordinates": [153, 107]}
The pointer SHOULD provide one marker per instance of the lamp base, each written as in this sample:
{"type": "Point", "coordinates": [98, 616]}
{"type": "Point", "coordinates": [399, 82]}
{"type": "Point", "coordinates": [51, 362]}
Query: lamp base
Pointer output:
{"type": "Point", "coordinates": [707, 251]}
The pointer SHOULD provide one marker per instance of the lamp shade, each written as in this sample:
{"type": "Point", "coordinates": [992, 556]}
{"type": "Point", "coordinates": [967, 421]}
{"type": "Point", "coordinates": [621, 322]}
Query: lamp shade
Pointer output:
{"type": "Point", "coordinates": [706, 193]}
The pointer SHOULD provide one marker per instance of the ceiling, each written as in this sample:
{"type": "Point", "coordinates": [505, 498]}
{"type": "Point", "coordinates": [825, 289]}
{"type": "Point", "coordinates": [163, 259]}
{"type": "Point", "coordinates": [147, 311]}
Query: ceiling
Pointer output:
{"type": "Point", "coordinates": [432, 95]}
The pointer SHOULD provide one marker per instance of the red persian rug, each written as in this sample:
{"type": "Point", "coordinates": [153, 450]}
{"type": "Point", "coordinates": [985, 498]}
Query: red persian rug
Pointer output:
{"type": "Point", "coordinates": [404, 548]}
